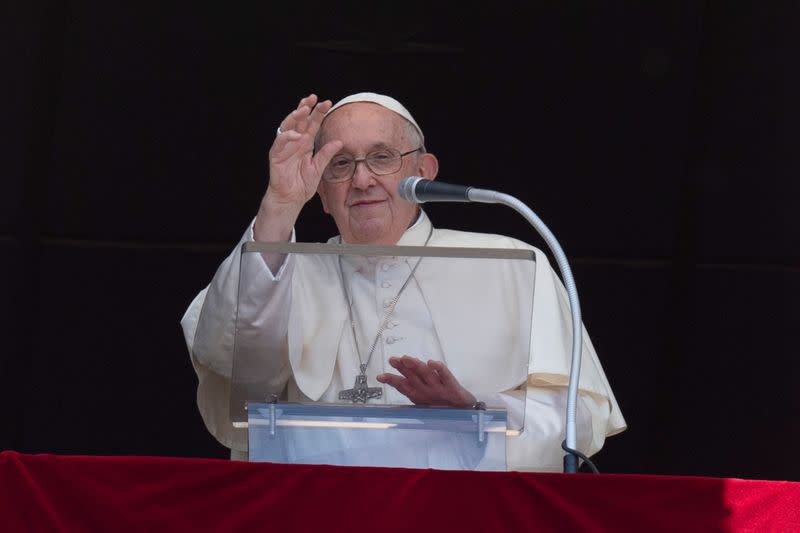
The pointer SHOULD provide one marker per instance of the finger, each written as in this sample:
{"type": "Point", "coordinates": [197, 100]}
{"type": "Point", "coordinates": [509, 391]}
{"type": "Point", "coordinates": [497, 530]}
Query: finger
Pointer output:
{"type": "Point", "coordinates": [318, 115]}
{"type": "Point", "coordinates": [281, 145]}
{"type": "Point", "coordinates": [406, 366]}
{"type": "Point", "coordinates": [290, 122]}
{"type": "Point", "coordinates": [297, 120]}
{"type": "Point", "coordinates": [309, 101]}
{"type": "Point", "coordinates": [446, 377]}
{"type": "Point", "coordinates": [402, 385]}
{"type": "Point", "coordinates": [412, 385]}
{"type": "Point", "coordinates": [324, 155]}
{"type": "Point", "coordinates": [407, 373]}
{"type": "Point", "coordinates": [306, 116]}
{"type": "Point", "coordinates": [390, 379]}
{"type": "Point", "coordinates": [455, 393]}
{"type": "Point", "coordinates": [412, 394]}
{"type": "Point", "coordinates": [426, 374]}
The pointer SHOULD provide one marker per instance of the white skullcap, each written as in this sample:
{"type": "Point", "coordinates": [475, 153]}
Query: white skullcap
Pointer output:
{"type": "Point", "coordinates": [382, 100]}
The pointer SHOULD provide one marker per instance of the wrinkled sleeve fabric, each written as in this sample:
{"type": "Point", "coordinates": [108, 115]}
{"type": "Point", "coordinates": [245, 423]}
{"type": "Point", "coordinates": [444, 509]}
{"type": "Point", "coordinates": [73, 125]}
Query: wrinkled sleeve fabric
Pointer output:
{"type": "Point", "coordinates": [551, 350]}
{"type": "Point", "coordinates": [598, 414]}
{"type": "Point", "coordinates": [209, 327]}
{"type": "Point", "coordinates": [538, 447]}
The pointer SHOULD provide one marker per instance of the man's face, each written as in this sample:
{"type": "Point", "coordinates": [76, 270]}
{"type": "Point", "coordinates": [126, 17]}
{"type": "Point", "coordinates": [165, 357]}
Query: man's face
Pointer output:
{"type": "Point", "coordinates": [367, 209]}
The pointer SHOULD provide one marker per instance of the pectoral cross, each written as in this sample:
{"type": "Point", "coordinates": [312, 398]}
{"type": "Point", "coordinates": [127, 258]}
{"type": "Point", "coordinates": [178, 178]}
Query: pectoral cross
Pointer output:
{"type": "Point", "coordinates": [360, 392]}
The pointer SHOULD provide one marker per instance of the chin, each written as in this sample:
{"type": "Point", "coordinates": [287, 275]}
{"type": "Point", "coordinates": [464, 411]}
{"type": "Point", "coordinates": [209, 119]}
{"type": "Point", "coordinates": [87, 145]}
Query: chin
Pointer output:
{"type": "Point", "coordinates": [373, 231]}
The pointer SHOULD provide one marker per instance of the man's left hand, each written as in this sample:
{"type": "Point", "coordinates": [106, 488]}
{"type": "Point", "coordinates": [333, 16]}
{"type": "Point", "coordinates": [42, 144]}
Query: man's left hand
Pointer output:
{"type": "Point", "coordinates": [429, 383]}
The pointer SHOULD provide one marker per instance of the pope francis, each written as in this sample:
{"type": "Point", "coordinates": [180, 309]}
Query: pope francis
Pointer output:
{"type": "Point", "coordinates": [354, 154]}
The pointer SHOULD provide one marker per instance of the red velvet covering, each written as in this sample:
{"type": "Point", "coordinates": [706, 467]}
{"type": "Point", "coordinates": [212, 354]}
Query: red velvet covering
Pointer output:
{"type": "Point", "coordinates": [47, 492]}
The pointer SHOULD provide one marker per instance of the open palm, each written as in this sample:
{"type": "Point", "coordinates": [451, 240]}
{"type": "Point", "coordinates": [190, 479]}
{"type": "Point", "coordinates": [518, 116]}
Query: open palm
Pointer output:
{"type": "Point", "coordinates": [294, 170]}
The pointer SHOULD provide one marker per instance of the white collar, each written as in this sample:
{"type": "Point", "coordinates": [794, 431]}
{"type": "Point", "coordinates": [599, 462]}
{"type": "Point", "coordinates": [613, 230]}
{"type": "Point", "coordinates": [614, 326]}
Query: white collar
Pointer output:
{"type": "Point", "coordinates": [418, 233]}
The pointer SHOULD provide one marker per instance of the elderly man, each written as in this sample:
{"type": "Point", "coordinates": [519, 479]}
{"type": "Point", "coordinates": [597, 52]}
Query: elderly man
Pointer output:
{"type": "Point", "coordinates": [354, 155]}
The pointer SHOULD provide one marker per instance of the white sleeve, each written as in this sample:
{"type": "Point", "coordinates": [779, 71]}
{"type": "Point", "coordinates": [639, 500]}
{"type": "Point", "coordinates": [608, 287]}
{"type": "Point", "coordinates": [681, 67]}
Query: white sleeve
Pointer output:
{"type": "Point", "coordinates": [538, 447]}
{"type": "Point", "coordinates": [209, 327]}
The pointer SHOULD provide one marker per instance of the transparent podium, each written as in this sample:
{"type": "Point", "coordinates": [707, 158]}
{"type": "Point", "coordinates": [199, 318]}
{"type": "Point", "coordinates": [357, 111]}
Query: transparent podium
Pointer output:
{"type": "Point", "coordinates": [439, 325]}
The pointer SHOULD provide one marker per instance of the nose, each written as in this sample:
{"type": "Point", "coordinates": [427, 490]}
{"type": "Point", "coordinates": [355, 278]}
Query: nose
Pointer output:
{"type": "Point", "coordinates": [363, 177]}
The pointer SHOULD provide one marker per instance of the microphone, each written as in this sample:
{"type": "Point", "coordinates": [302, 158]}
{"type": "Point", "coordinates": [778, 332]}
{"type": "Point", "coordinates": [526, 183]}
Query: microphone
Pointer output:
{"type": "Point", "coordinates": [420, 190]}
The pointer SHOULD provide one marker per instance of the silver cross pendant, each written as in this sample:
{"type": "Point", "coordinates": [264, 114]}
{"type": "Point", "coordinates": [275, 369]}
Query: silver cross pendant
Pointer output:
{"type": "Point", "coordinates": [360, 392]}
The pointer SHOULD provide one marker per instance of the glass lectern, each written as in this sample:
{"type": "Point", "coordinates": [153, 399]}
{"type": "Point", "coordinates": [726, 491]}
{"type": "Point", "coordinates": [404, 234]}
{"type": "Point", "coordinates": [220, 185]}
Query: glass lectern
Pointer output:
{"type": "Point", "coordinates": [312, 339]}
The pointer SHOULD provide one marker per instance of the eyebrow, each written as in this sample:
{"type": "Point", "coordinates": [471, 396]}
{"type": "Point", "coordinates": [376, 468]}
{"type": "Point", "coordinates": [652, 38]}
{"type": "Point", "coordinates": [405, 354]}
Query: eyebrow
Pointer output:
{"type": "Point", "coordinates": [372, 148]}
{"type": "Point", "coordinates": [380, 145]}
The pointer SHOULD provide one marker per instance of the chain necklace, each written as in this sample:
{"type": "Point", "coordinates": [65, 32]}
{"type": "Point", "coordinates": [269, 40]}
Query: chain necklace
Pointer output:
{"type": "Point", "coordinates": [361, 392]}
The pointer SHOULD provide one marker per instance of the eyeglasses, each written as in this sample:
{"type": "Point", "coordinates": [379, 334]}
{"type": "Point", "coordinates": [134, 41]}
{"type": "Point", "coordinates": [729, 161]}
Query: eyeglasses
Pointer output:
{"type": "Point", "coordinates": [380, 162]}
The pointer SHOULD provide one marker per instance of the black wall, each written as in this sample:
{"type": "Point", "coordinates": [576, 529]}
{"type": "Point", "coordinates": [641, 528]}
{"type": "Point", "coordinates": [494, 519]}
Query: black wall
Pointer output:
{"type": "Point", "coordinates": [658, 142]}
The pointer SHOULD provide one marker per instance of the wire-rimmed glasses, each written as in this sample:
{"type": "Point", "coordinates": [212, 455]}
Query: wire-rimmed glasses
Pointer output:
{"type": "Point", "coordinates": [381, 162]}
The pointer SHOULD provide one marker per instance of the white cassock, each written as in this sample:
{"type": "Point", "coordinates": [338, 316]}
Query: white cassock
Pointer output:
{"type": "Point", "coordinates": [295, 317]}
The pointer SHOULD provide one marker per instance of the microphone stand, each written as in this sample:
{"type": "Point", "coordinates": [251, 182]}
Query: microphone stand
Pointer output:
{"type": "Point", "coordinates": [494, 197]}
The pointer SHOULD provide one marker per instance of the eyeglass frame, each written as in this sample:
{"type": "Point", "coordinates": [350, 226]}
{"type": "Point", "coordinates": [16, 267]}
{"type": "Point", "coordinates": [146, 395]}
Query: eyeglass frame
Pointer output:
{"type": "Point", "coordinates": [358, 160]}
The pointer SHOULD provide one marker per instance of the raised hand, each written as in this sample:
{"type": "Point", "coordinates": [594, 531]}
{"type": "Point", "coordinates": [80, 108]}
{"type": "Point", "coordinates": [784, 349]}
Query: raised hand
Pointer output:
{"type": "Point", "coordinates": [294, 169]}
{"type": "Point", "coordinates": [429, 383]}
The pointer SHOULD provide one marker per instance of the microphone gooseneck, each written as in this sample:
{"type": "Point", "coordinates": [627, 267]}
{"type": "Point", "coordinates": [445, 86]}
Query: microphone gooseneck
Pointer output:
{"type": "Point", "coordinates": [418, 190]}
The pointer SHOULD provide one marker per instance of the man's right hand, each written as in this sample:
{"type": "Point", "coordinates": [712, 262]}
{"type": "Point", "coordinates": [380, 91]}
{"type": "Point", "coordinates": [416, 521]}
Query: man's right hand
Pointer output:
{"type": "Point", "coordinates": [294, 170]}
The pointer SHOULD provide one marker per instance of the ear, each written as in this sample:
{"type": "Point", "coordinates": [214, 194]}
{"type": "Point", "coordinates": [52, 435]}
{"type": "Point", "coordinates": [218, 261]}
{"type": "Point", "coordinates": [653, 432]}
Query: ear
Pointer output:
{"type": "Point", "coordinates": [323, 197]}
{"type": "Point", "coordinates": [428, 166]}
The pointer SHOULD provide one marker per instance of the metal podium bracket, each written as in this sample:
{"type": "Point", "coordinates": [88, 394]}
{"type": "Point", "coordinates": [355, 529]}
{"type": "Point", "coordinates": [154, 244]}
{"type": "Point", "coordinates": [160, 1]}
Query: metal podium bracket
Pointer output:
{"type": "Point", "coordinates": [481, 422]}
{"type": "Point", "coordinates": [272, 400]}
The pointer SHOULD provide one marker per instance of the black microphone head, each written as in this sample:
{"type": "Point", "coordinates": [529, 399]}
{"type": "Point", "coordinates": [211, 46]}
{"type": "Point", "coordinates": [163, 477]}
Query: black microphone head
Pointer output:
{"type": "Point", "coordinates": [406, 188]}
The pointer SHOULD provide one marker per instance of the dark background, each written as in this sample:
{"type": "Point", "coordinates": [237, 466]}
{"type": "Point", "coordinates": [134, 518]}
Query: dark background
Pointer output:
{"type": "Point", "coordinates": [657, 140]}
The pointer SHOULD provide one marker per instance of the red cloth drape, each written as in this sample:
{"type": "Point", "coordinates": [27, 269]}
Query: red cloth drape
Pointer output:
{"type": "Point", "coordinates": [48, 492]}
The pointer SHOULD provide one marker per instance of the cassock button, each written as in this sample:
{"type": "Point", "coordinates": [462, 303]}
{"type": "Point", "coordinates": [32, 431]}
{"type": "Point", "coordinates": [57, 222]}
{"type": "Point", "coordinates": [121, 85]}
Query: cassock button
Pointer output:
{"type": "Point", "coordinates": [387, 302]}
{"type": "Point", "coordinates": [385, 267]}
{"type": "Point", "coordinates": [386, 284]}
{"type": "Point", "coordinates": [392, 340]}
